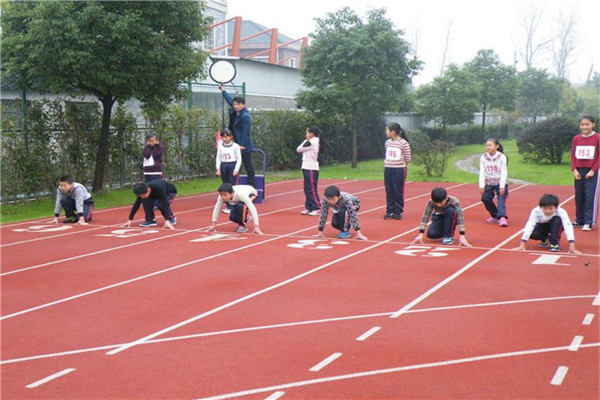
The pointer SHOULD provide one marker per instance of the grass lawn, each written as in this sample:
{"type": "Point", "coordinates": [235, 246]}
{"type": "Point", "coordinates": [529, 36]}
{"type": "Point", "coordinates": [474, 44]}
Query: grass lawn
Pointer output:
{"type": "Point", "coordinates": [545, 174]}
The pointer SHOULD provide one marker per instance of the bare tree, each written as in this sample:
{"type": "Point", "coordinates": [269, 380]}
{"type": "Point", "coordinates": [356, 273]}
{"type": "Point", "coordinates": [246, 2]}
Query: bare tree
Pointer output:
{"type": "Point", "coordinates": [450, 22]}
{"type": "Point", "coordinates": [530, 17]}
{"type": "Point", "coordinates": [565, 42]}
{"type": "Point", "coordinates": [415, 33]}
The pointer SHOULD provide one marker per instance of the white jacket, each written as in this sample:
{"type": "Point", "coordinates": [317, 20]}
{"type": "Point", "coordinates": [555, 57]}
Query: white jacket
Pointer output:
{"type": "Point", "coordinates": [537, 216]}
{"type": "Point", "coordinates": [493, 170]}
{"type": "Point", "coordinates": [310, 154]}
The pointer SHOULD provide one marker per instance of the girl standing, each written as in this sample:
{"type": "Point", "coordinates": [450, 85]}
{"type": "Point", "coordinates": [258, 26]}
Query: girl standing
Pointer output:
{"type": "Point", "coordinates": [229, 161]}
{"type": "Point", "coordinates": [310, 149]}
{"type": "Point", "coordinates": [397, 157]}
{"type": "Point", "coordinates": [584, 164]}
{"type": "Point", "coordinates": [493, 174]}
{"type": "Point", "coordinates": [153, 152]}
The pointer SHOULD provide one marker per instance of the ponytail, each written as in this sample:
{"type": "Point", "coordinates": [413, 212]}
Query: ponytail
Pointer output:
{"type": "Point", "coordinates": [395, 127]}
{"type": "Point", "coordinates": [316, 131]}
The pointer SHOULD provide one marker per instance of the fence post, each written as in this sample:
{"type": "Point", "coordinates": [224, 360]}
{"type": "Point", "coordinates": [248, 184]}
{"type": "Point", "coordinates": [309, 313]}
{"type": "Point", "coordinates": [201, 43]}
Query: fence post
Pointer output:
{"type": "Point", "coordinates": [24, 117]}
{"type": "Point", "coordinates": [244, 90]}
{"type": "Point", "coordinates": [190, 105]}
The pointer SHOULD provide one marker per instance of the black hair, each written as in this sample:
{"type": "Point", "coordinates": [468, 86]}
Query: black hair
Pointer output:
{"type": "Point", "coordinates": [67, 178]}
{"type": "Point", "coordinates": [239, 100]}
{"type": "Point", "coordinates": [549, 200]}
{"type": "Point", "coordinates": [438, 195]}
{"type": "Point", "coordinates": [225, 187]}
{"type": "Point", "coordinates": [500, 147]}
{"type": "Point", "coordinates": [589, 118]}
{"type": "Point", "coordinates": [395, 127]}
{"type": "Point", "coordinates": [140, 188]}
{"type": "Point", "coordinates": [332, 191]}
{"type": "Point", "coordinates": [150, 136]}
{"type": "Point", "coordinates": [316, 131]}
{"type": "Point", "coordinates": [226, 132]}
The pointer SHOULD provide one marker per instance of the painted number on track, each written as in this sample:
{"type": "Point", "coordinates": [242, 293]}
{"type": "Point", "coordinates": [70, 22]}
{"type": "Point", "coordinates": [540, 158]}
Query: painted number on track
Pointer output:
{"type": "Point", "coordinates": [128, 233]}
{"type": "Point", "coordinates": [315, 244]}
{"type": "Point", "coordinates": [218, 237]}
{"type": "Point", "coordinates": [425, 251]}
{"type": "Point", "coordinates": [44, 228]}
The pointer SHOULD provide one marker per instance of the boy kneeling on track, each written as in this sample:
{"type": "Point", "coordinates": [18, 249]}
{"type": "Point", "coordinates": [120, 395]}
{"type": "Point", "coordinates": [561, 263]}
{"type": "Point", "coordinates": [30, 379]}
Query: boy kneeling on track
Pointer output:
{"type": "Point", "coordinates": [241, 198]}
{"type": "Point", "coordinates": [546, 224]}
{"type": "Point", "coordinates": [447, 214]}
{"type": "Point", "coordinates": [159, 194]}
{"type": "Point", "coordinates": [345, 213]}
{"type": "Point", "coordinates": [74, 198]}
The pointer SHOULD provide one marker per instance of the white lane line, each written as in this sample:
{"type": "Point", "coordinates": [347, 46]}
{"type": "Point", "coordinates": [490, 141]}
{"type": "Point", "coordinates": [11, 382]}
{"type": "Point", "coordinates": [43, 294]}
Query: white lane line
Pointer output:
{"type": "Point", "coordinates": [275, 396]}
{"type": "Point", "coordinates": [96, 227]}
{"type": "Point", "coordinates": [50, 378]}
{"type": "Point", "coordinates": [576, 343]}
{"type": "Point", "coordinates": [588, 319]}
{"type": "Point", "coordinates": [368, 333]}
{"type": "Point", "coordinates": [596, 300]}
{"type": "Point", "coordinates": [267, 289]}
{"type": "Point", "coordinates": [388, 371]}
{"type": "Point", "coordinates": [559, 376]}
{"type": "Point", "coordinates": [284, 325]}
{"type": "Point", "coordinates": [325, 362]}
{"type": "Point", "coordinates": [458, 273]}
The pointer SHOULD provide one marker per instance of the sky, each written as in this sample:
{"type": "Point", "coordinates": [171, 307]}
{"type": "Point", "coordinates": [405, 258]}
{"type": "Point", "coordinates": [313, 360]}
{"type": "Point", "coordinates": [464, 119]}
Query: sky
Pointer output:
{"type": "Point", "coordinates": [482, 24]}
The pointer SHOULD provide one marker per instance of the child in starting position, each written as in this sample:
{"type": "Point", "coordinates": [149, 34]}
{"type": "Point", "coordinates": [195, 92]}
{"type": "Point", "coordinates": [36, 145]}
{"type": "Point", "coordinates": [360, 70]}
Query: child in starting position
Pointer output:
{"type": "Point", "coordinates": [229, 160]}
{"type": "Point", "coordinates": [447, 213]}
{"type": "Point", "coordinates": [585, 160]}
{"type": "Point", "coordinates": [310, 149]}
{"type": "Point", "coordinates": [159, 194]}
{"type": "Point", "coordinates": [493, 174]}
{"type": "Point", "coordinates": [345, 213]}
{"type": "Point", "coordinates": [397, 157]}
{"type": "Point", "coordinates": [546, 224]}
{"type": "Point", "coordinates": [76, 201]}
{"type": "Point", "coordinates": [241, 198]}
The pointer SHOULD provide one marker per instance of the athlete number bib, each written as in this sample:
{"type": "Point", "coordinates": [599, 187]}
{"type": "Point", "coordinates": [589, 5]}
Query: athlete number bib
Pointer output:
{"type": "Point", "coordinates": [585, 152]}
{"type": "Point", "coordinates": [393, 154]}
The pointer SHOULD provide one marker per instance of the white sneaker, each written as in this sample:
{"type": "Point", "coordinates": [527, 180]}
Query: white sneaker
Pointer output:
{"type": "Point", "coordinates": [315, 212]}
{"type": "Point", "coordinates": [586, 227]}
{"type": "Point", "coordinates": [305, 212]}
{"type": "Point", "coordinates": [227, 211]}
{"type": "Point", "coordinates": [242, 229]}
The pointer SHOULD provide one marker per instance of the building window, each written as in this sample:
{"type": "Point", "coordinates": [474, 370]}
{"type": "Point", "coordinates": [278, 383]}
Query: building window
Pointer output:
{"type": "Point", "coordinates": [209, 42]}
{"type": "Point", "coordinates": [292, 62]}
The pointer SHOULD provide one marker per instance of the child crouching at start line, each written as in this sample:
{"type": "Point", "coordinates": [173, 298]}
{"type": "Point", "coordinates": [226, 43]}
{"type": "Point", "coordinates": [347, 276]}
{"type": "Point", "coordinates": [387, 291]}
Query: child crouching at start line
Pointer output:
{"type": "Point", "coordinates": [345, 213]}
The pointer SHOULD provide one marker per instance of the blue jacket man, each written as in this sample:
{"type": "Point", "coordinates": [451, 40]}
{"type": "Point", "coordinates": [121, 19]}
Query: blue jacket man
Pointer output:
{"type": "Point", "coordinates": [240, 123]}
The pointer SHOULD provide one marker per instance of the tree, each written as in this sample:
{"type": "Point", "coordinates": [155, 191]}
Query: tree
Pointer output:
{"type": "Point", "coordinates": [357, 67]}
{"type": "Point", "coordinates": [530, 16]}
{"type": "Point", "coordinates": [589, 94]}
{"type": "Point", "coordinates": [113, 50]}
{"type": "Point", "coordinates": [539, 93]}
{"type": "Point", "coordinates": [450, 99]}
{"type": "Point", "coordinates": [498, 83]}
{"type": "Point", "coordinates": [565, 42]}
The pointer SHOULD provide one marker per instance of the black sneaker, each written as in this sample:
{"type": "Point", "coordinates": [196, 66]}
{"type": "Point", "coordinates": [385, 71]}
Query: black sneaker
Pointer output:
{"type": "Point", "coordinates": [388, 216]}
{"type": "Point", "coordinates": [70, 220]}
{"type": "Point", "coordinates": [575, 223]}
{"type": "Point", "coordinates": [398, 216]}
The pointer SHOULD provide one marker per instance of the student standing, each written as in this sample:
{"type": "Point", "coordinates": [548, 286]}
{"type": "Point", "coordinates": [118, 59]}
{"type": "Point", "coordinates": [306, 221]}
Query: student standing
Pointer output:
{"type": "Point", "coordinates": [585, 156]}
{"type": "Point", "coordinates": [310, 150]}
{"type": "Point", "coordinates": [493, 174]}
{"type": "Point", "coordinates": [229, 161]}
{"type": "Point", "coordinates": [153, 152]}
{"type": "Point", "coordinates": [397, 157]}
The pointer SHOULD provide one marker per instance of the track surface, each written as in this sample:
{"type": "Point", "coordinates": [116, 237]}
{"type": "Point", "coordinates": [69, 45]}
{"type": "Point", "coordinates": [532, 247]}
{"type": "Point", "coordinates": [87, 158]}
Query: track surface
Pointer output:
{"type": "Point", "coordinates": [99, 312]}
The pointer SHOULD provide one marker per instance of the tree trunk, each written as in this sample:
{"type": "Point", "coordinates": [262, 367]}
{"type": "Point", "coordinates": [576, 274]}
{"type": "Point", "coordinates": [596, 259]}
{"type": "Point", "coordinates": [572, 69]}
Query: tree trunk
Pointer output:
{"type": "Point", "coordinates": [483, 123]}
{"type": "Point", "coordinates": [354, 163]}
{"type": "Point", "coordinates": [102, 155]}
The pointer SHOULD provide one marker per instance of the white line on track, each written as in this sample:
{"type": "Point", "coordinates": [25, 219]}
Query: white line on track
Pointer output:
{"type": "Point", "coordinates": [120, 225]}
{"type": "Point", "coordinates": [576, 343]}
{"type": "Point", "coordinates": [388, 371]}
{"type": "Point", "coordinates": [186, 264]}
{"type": "Point", "coordinates": [559, 376]}
{"type": "Point", "coordinates": [368, 334]}
{"type": "Point", "coordinates": [290, 324]}
{"type": "Point", "coordinates": [275, 396]}
{"type": "Point", "coordinates": [325, 362]}
{"type": "Point", "coordinates": [265, 290]}
{"type": "Point", "coordinates": [588, 319]}
{"type": "Point", "coordinates": [458, 273]}
{"type": "Point", "coordinates": [50, 378]}
{"type": "Point", "coordinates": [596, 301]}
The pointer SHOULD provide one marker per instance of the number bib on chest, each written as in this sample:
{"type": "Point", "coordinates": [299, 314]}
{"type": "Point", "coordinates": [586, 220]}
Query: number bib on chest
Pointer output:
{"type": "Point", "coordinates": [393, 154]}
{"type": "Point", "coordinates": [585, 152]}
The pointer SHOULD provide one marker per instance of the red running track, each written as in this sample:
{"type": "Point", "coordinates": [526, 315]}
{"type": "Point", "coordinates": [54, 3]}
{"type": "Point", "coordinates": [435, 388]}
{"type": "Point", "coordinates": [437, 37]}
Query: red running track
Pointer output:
{"type": "Point", "coordinates": [157, 316]}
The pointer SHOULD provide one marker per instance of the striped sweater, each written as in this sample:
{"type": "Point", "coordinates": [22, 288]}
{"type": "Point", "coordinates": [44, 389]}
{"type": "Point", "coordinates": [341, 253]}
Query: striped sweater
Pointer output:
{"type": "Point", "coordinates": [431, 208]}
{"type": "Point", "coordinates": [349, 202]}
{"type": "Point", "coordinates": [397, 153]}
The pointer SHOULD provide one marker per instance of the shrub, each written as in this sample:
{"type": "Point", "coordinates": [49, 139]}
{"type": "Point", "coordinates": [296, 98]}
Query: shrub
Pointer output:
{"type": "Point", "coordinates": [432, 155]}
{"type": "Point", "coordinates": [547, 141]}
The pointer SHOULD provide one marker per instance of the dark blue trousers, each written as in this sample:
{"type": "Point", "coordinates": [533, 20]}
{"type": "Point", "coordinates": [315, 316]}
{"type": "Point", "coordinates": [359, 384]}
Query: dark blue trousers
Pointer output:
{"type": "Point", "coordinates": [149, 205]}
{"type": "Point", "coordinates": [442, 225]}
{"type": "Point", "coordinates": [311, 191]}
{"type": "Point", "coordinates": [340, 220]}
{"type": "Point", "coordinates": [550, 231]}
{"type": "Point", "coordinates": [71, 209]}
{"type": "Point", "coordinates": [394, 189]}
{"type": "Point", "coordinates": [150, 178]}
{"type": "Point", "coordinates": [488, 200]}
{"type": "Point", "coordinates": [586, 198]}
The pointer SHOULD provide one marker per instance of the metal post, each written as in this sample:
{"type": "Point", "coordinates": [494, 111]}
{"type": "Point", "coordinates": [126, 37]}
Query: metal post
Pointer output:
{"type": "Point", "coordinates": [237, 34]}
{"type": "Point", "coordinates": [24, 117]}
{"type": "Point", "coordinates": [244, 90]}
{"type": "Point", "coordinates": [190, 105]}
{"type": "Point", "coordinates": [273, 47]}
